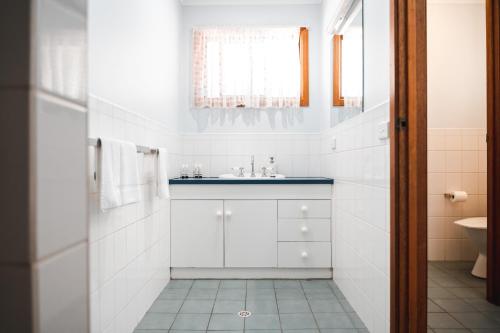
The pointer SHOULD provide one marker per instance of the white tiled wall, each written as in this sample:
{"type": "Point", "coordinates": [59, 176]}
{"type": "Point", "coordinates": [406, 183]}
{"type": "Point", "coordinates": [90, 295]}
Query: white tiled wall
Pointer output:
{"type": "Point", "coordinates": [296, 154]}
{"type": "Point", "coordinates": [457, 162]}
{"type": "Point", "coordinates": [130, 245]}
{"type": "Point", "coordinates": [360, 166]}
{"type": "Point", "coordinates": [44, 235]}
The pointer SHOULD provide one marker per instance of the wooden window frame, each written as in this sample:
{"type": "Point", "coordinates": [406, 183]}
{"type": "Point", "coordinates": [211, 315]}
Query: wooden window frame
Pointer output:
{"type": "Point", "coordinates": [304, 66]}
{"type": "Point", "coordinates": [338, 99]}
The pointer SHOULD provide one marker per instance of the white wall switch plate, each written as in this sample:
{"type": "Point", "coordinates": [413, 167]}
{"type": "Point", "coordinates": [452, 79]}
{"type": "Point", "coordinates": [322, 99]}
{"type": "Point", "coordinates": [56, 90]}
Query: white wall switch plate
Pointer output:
{"type": "Point", "coordinates": [383, 130]}
{"type": "Point", "coordinates": [333, 143]}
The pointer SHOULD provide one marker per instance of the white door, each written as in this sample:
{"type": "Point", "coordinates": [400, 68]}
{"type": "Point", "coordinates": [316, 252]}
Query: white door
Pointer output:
{"type": "Point", "coordinates": [197, 234]}
{"type": "Point", "coordinates": [251, 233]}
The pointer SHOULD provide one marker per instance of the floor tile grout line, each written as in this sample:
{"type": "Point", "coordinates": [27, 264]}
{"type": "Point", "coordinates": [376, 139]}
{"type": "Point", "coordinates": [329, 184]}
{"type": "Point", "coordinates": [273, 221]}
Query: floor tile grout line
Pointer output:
{"type": "Point", "coordinates": [310, 307]}
{"type": "Point", "coordinates": [245, 306]}
{"type": "Point", "coordinates": [277, 306]}
{"type": "Point", "coordinates": [183, 301]}
{"type": "Point", "coordinates": [213, 306]}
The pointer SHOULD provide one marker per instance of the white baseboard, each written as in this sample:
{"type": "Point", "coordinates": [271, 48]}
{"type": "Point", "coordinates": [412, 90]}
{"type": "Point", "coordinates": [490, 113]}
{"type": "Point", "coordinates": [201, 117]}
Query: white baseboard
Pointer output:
{"type": "Point", "coordinates": [251, 273]}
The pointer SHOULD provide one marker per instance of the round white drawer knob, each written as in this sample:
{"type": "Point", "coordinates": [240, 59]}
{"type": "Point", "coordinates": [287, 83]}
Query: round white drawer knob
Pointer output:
{"type": "Point", "coordinates": [304, 208]}
{"type": "Point", "coordinates": [219, 213]}
{"type": "Point", "coordinates": [304, 255]}
{"type": "Point", "coordinates": [304, 229]}
{"type": "Point", "coordinates": [229, 213]}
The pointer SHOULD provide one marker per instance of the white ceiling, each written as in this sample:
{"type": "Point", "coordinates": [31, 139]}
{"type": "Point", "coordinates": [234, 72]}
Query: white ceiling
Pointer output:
{"type": "Point", "coordinates": [247, 2]}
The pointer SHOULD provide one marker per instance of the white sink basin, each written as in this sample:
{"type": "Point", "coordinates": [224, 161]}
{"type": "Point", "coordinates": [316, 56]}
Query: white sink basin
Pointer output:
{"type": "Point", "coordinates": [247, 176]}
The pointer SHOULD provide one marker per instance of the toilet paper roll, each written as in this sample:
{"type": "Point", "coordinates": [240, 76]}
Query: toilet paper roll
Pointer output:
{"type": "Point", "coordinates": [458, 196]}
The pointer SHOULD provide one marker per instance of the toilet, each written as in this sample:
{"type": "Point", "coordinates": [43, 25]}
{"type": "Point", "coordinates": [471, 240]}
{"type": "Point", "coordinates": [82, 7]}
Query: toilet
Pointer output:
{"type": "Point", "coordinates": [476, 230]}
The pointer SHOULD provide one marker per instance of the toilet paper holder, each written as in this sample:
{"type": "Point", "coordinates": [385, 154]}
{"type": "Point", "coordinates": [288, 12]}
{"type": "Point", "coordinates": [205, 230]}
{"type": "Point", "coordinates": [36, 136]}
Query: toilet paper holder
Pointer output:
{"type": "Point", "coordinates": [456, 196]}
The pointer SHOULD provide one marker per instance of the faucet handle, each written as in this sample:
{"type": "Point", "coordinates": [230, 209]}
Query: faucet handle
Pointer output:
{"type": "Point", "coordinates": [242, 172]}
{"type": "Point", "coordinates": [264, 171]}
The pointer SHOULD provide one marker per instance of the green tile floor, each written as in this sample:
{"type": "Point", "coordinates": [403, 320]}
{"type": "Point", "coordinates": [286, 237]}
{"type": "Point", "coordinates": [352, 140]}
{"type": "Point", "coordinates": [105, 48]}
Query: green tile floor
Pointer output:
{"type": "Point", "coordinates": [456, 300]}
{"type": "Point", "coordinates": [277, 306]}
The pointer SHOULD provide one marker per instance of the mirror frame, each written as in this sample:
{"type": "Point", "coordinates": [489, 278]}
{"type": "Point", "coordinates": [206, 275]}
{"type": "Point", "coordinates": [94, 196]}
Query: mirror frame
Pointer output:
{"type": "Point", "coordinates": [347, 10]}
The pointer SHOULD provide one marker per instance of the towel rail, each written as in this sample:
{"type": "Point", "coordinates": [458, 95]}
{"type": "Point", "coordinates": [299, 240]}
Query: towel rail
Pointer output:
{"type": "Point", "coordinates": [96, 142]}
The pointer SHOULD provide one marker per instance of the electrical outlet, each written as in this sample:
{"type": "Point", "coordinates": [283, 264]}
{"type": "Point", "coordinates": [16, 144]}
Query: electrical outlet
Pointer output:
{"type": "Point", "coordinates": [333, 143]}
{"type": "Point", "coordinates": [383, 130]}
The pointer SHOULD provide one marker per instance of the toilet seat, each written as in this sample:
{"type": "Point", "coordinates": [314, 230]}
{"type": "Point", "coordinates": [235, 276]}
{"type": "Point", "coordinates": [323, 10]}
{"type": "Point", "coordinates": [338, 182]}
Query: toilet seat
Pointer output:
{"type": "Point", "coordinates": [473, 223]}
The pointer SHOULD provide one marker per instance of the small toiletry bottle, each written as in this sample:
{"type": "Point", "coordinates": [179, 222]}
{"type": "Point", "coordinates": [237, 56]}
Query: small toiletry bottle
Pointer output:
{"type": "Point", "coordinates": [184, 171]}
{"type": "Point", "coordinates": [272, 167]}
{"type": "Point", "coordinates": [200, 171]}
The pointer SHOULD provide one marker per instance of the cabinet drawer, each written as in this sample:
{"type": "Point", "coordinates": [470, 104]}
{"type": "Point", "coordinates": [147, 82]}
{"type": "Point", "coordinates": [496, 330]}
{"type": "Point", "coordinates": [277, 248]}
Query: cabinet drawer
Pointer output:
{"type": "Point", "coordinates": [304, 254]}
{"type": "Point", "coordinates": [296, 209]}
{"type": "Point", "coordinates": [300, 230]}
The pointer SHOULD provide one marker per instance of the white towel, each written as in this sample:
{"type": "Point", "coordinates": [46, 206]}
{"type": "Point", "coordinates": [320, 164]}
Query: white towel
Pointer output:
{"type": "Point", "coordinates": [129, 175]}
{"type": "Point", "coordinates": [109, 174]}
{"type": "Point", "coordinates": [162, 176]}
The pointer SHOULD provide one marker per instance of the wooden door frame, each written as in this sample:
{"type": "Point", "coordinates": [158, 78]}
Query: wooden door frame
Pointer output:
{"type": "Point", "coordinates": [493, 105]}
{"type": "Point", "coordinates": [408, 143]}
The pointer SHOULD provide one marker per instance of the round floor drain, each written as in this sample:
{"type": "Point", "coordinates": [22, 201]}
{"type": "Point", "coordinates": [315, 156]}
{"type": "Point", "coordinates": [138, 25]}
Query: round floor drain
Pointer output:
{"type": "Point", "coordinates": [244, 314]}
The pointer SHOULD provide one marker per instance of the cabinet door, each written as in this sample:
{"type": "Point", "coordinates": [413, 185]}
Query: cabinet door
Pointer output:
{"type": "Point", "coordinates": [197, 233]}
{"type": "Point", "coordinates": [251, 233]}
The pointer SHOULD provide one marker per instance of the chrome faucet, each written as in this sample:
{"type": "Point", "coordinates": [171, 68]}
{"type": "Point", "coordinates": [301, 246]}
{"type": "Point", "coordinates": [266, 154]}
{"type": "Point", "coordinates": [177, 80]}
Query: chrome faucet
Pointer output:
{"type": "Point", "coordinates": [253, 166]}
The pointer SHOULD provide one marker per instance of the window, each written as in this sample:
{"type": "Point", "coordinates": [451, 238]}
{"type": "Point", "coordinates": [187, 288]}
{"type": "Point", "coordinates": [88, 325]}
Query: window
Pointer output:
{"type": "Point", "coordinates": [250, 68]}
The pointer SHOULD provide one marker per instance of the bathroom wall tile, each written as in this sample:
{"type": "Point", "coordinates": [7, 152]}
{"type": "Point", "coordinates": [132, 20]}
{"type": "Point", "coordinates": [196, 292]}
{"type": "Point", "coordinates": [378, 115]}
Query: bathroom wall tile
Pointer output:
{"type": "Point", "coordinates": [453, 142]}
{"type": "Point", "coordinates": [470, 183]}
{"type": "Point", "coordinates": [483, 161]}
{"type": "Point", "coordinates": [436, 161]}
{"type": "Point", "coordinates": [61, 183]}
{"type": "Point", "coordinates": [64, 275]}
{"type": "Point", "coordinates": [453, 161]}
{"type": "Point", "coordinates": [481, 143]}
{"type": "Point", "coordinates": [95, 315]}
{"type": "Point", "coordinates": [437, 227]}
{"type": "Point", "coordinates": [453, 181]}
{"type": "Point", "coordinates": [94, 266]}
{"type": "Point", "coordinates": [453, 231]}
{"type": "Point", "coordinates": [470, 161]}
{"type": "Point", "coordinates": [482, 183]}
{"type": "Point", "coordinates": [464, 171]}
{"type": "Point", "coordinates": [436, 205]}
{"type": "Point", "coordinates": [130, 240]}
{"type": "Point", "coordinates": [453, 251]}
{"type": "Point", "coordinates": [62, 48]}
{"type": "Point", "coordinates": [436, 142]}
{"type": "Point", "coordinates": [436, 183]}
{"type": "Point", "coordinates": [436, 249]}
{"type": "Point", "coordinates": [482, 206]}
{"type": "Point", "coordinates": [470, 142]}
{"type": "Point", "coordinates": [471, 206]}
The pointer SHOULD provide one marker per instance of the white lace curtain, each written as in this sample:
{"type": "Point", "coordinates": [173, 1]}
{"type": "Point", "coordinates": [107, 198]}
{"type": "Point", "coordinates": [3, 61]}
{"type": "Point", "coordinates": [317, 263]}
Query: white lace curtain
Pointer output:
{"type": "Point", "coordinates": [246, 67]}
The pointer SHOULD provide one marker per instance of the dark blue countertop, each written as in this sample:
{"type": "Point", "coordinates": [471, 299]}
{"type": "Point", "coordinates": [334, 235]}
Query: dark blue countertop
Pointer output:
{"type": "Point", "coordinates": [236, 181]}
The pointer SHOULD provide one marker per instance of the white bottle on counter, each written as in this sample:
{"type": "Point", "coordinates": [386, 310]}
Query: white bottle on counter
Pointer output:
{"type": "Point", "coordinates": [272, 167]}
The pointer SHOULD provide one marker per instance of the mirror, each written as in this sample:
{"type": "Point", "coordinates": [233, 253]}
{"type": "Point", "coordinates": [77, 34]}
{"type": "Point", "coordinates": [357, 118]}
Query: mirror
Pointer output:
{"type": "Point", "coordinates": [348, 61]}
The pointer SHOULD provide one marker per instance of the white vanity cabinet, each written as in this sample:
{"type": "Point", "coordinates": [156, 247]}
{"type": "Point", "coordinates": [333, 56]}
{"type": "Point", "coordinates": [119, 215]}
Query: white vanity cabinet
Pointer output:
{"type": "Point", "coordinates": [197, 233]}
{"type": "Point", "coordinates": [251, 231]}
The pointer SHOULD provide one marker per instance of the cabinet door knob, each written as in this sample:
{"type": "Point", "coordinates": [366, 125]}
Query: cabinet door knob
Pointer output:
{"type": "Point", "coordinates": [304, 255]}
{"type": "Point", "coordinates": [304, 208]}
{"type": "Point", "coordinates": [304, 229]}
{"type": "Point", "coordinates": [219, 213]}
{"type": "Point", "coordinates": [229, 213]}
